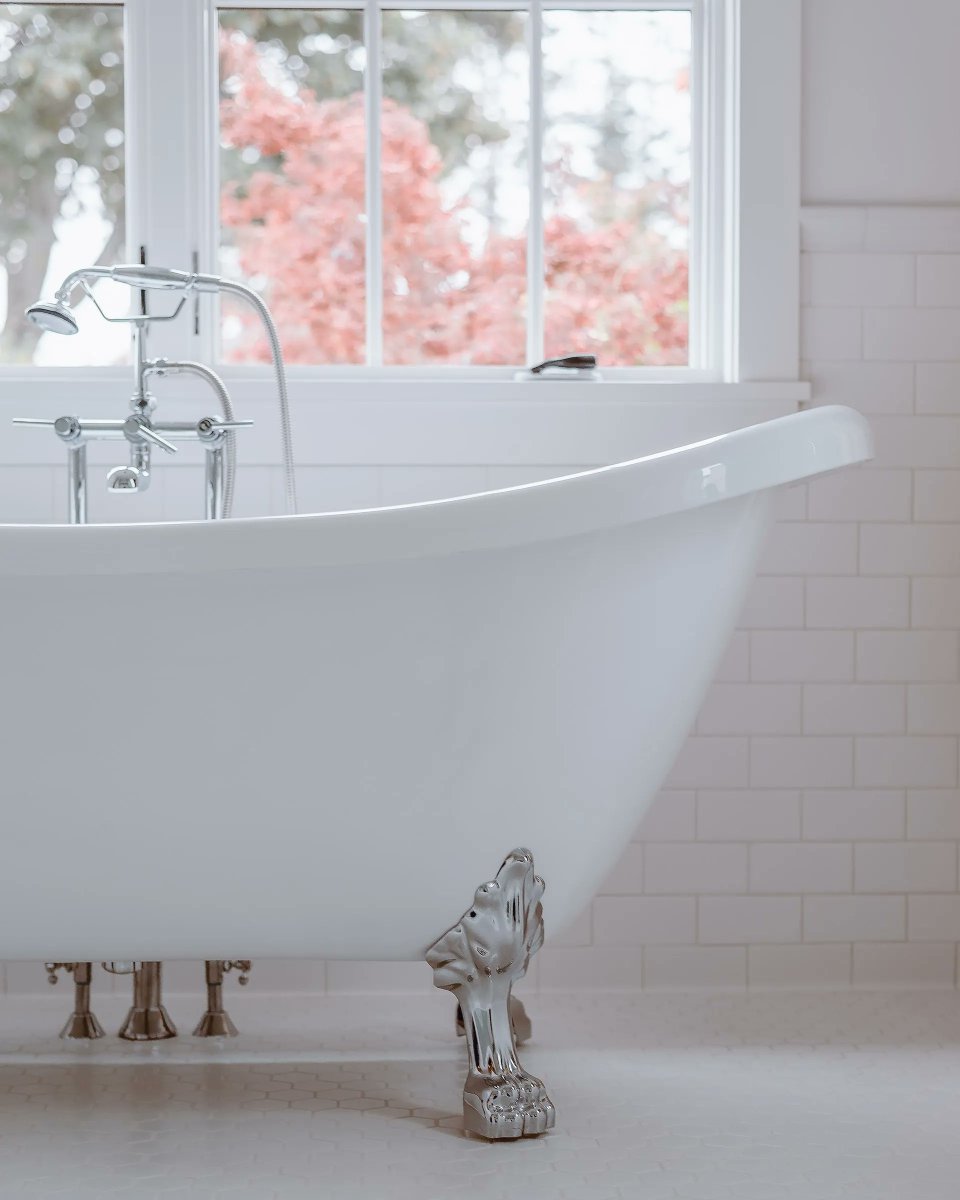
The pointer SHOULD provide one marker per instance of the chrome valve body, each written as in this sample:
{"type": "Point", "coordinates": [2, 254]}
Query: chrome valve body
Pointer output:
{"type": "Point", "coordinates": [144, 433]}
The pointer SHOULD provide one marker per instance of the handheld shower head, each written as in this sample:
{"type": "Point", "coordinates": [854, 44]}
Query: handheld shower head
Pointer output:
{"type": "Point", "coordinates": [52, 316]}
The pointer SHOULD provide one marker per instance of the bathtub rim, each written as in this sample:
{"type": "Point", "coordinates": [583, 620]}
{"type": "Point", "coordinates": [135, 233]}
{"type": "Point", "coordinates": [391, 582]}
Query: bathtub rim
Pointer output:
{"type": "Point", "coordinates": [771, 454]}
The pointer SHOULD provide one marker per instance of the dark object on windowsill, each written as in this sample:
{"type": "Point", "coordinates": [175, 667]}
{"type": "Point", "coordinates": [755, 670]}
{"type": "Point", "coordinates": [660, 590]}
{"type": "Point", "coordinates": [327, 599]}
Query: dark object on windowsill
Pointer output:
{"type": "Point", "coordinates": [574, 366]}
{"type": "Point", "coordinates": [573, 362]}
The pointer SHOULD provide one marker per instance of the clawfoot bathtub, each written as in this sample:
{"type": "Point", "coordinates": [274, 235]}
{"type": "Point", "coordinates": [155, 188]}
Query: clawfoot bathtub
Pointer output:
{"type": "Point", "coordinates": [315, 736]}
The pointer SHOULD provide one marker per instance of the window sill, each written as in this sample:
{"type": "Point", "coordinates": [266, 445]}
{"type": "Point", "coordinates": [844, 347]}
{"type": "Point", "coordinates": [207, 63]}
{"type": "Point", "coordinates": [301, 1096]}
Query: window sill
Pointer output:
{"type": "Point", "coordinates": [340, 422]}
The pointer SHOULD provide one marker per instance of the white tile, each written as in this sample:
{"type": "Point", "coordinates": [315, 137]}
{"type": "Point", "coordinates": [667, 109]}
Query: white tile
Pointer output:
{"type": "Point", "coordinates": [751, 708]}
{"type": "Point", "coordinates": [409, 485]}
{"type": "Point", "coordinates": [641, 920]}
{"type": "Point", "coordinates": [831, 815]}
{"type": "Point", "coordinates": [803, 762]}
{"type": "Point", "coordinates": [938, 388]}
{"type": "Point", "coordinates": [907, 657]}
{"type": "Point", "coordinates": [833, 227]}
{"type": "Point", "coordinates": [909, 334]}
{"type": "Point", "coordinates": [185, 977]}
{"type": "Point", "coordinates": [626, 877]}
{"type": "Point", "coordinates": [790, 502]}
{"type": "Point", "coordinates": [933, 708]}
{"type": "Point", "coordinates": [907, 762]}
{"type": "Point", "coordinates": [806, 276]}
{"type": "Point", "coordinates": [905, 867]}
{"type": "Point", "coordinates": [689, 868]}
{"type": "Point", "coordinates": [859, 280]}
{"type": "Point", "coordinates": [259, 491]}
{"type": "Point", "coordinates": [938, 280]}
{"type": "Point", "coordinates": [32, 494]}
{"type": "Point", "coordinates": [933, 814]}
{"type": "Point", "coordinates": [670, 818]}
{"type": "Point", "coordinates": [706, 1097]}
{"type": "Point", "coordinates": [869, 387]}
{"type": "Point", "coordinates": [776, 968]}
{"type": "Point", "coordinates": [936, 496]}
{"type": "Point", "coordinates": [810, 548]}
{"type": "Point", "coordinates": [903, 965]}
{"type": "Point", "coordinates": [337, 489]}
{"type": "Point", "coordinates": [860, 602]}
{"type": "Point", "coordinates": [833, 333]}
{"type": "Point", "coordinates": [801, 867]}
{"type": "Point", "coordinates": [735, 665]}
{"type": "Point", "coordinates": [379, 977]}
{"type": "Point", "coordinates": [30, 979]}
{"type": "Point", "coordinates": [710, 762]}
{"type": "Point", "coordinates": [935, 603]}
{"type": "Point", "coordinates": [933, 918]}
{"type": "Point", "coordinates": [288, 975]}
{"type": "Point", "coordinates": [919, 228]}
{"type": "Point", "coordinates": [932, 442]}
{"type": "Point", "coordinates": [854, 918]}
{"type": "Point", "coordinates": [686, 968]}
{"type": "Point", "coordinates": [909, 549]}
{"type": "Point", "coordinates": [736, 919]}
{"type": "Point", "coordinates": [861, 494]}
{"type": "Point", "coordinates": [774, 603]}
{"type": "Point", "coordinates": [854, 708]}
{"type": "Point", "coordinates": [805, 656]}
{"type": "Point", "coordinates": [174, 493]}
{"type": "Point", "coordinates": [748, 815]}
{"type": "Point", "coordinates": [589, 969]}
{"type": "Point", "coordinates": [578, 933]}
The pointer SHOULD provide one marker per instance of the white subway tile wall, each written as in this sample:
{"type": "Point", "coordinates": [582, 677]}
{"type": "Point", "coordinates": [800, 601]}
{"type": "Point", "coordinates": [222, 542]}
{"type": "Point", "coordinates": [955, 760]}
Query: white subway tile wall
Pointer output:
{"type": "Point", "coordinates": [808, 835]}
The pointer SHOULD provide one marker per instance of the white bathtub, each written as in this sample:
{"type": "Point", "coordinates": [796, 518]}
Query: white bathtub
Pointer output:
{"type": "Point", "coordinates": [309, 735]}
{"type": "Point", "coordinates": [315, 735]}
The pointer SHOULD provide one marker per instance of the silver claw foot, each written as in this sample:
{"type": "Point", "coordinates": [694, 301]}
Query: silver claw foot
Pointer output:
{"type": "Point", "coordinates": [479, 960]}
{"type": "Point", "coordinates": [522, 1025]}
{"type": "Point", "coordinates": [147, 1020]}
{"type": "Point", "coordinates": [81, 1024]}
{"type": "Point", "coordinates": [216, 1022]}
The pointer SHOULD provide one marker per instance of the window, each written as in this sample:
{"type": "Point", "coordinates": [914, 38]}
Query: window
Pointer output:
{"type": "Point", "coordinates": [62, 189]}
{"type": "Point", "coordinates": [427, 195]}
{"type": "Point", "coordinates": [502, 238]}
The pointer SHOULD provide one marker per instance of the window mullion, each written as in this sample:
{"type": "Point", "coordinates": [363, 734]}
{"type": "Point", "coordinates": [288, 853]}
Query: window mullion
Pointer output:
{"type": "Point", "coordinates": [164, 98]}
{"type": "Point", "coordinates": [535, 255]}
{"type": "Point", "coordinates": [373, 101]}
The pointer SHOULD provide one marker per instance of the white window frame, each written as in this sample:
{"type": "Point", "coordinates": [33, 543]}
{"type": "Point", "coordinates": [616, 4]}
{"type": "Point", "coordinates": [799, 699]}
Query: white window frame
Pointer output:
{"type": "Point", "coordinates": [744, 261]}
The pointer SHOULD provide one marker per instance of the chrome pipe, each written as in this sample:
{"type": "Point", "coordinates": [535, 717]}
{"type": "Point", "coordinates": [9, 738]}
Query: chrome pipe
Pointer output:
{"type": "Point", "coordinates": [81, 1024]}
{"type": "Point", "coordinates": [162, 366]}
{"type": "Point", "coordinates": [147, 1020]}
{"type": "Point", "coordinates": [77, 484]}
{"type": "Point", "coordinates": [213, 479]}
{"type": "Point", "coordinates": [215, 1022]}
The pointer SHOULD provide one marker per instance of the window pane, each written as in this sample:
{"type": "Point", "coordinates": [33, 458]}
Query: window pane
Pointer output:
{"type": "Point", "coordinates": [455, 197]}
{"type": "Point", "coordinates": [61, 171]}
{"type": "Point", "coordinates": [617, 181]}
{"type": "Point", "coordinates": [292, 205]}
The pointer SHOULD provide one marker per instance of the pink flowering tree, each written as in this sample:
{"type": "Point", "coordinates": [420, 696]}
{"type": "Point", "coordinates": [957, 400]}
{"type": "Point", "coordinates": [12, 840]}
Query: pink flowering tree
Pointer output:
{"type": "Point", "coordinates": [298, 225]}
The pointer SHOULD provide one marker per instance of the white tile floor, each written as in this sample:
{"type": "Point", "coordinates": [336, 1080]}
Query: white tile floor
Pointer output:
{"type": "Point", "coordinates": [775, 1097]}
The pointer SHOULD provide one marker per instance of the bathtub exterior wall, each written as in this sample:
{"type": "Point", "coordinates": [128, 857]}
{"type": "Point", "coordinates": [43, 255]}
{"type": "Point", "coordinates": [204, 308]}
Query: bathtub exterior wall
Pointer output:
{"type": "Point", "coordinates": [809, 835]}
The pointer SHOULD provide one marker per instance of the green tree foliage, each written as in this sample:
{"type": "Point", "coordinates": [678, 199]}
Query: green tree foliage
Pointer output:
{"type": "Point", "coordinates": [61, 142]}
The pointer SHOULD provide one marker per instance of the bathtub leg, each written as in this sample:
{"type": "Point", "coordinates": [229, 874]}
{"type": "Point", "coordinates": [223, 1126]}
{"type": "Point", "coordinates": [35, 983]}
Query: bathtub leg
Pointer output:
{"type": "Point", "coordinates": [147, 1020]}
{"type": "Point", "coordinates": [216, 1022]}
{"type": "Point", "coordinates": [519, 1019]}
{"type": "Point", "coordinates": [479, 960]}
